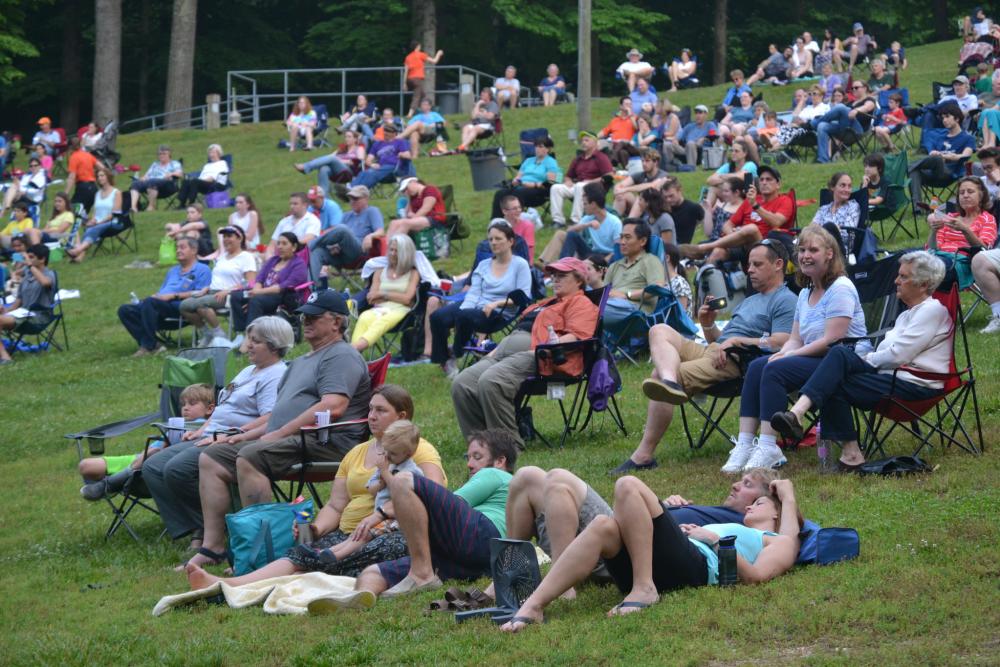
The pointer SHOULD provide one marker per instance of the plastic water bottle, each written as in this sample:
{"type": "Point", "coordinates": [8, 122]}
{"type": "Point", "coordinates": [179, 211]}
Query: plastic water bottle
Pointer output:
{"type": "Point", "coordinates": [303, 525]}
{"type": "Point", "coordinates": [727, 560]}
{"type": "Point", "coordinates": [822, 449]}
{"type": "Point", "coordinates": [553, 336]}
{"type": "Point", "coordinates": [133, 298]}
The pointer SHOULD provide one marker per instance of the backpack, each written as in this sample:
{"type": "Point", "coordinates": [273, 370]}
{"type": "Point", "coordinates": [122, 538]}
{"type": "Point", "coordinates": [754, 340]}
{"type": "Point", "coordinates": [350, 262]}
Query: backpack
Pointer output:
{"type": "Point", "coordinates": [895, 466]}
{"type": "Point", "coordinates": [605, 381]}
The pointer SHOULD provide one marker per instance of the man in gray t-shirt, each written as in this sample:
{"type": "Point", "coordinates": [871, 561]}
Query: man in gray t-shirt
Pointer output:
{"type": "Point", "coordinates": [684, 368]}
{"type": "Point", "coordinates": [36, 293]}
{"type": "Point", "coordinates": [332, 377]}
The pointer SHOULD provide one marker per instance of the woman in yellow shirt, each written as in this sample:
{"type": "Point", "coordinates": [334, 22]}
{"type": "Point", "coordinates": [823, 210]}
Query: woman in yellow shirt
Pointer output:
{"type": "Point", "coordinates": [351, 509]}
{"type": "Point", "coordinates": [21, 223]}
{"type": "Point", "coordinates": [59, 226]}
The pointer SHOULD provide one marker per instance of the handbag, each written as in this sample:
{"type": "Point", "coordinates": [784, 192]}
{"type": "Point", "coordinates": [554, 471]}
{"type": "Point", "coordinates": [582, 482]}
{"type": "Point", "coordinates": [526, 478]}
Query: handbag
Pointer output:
{"type": "Point", "coordinates": [261, 533]}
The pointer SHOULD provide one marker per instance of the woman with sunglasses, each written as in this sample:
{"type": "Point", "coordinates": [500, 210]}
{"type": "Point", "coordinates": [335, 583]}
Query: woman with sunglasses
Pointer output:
{"type": "Point", "coordinates": [29, 189]}
{"type": "Point", "coordinates": [841, 117]}
{"type": "Point", "coordinates": [492, 281]}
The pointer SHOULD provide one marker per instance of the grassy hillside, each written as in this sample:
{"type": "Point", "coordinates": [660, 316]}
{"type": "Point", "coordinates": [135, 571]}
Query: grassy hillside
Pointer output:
{"type": "Point", "coordinates": [921, 592]}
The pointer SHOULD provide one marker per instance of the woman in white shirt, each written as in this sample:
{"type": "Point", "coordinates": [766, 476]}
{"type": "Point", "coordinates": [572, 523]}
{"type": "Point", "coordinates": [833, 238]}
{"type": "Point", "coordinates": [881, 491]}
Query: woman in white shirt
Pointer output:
{"type": "Point", "coordinates": [921, 341]}
{"type": "Point", "coordinates": [213, 177]}
{"type": "Point", "coordinates": [247, 218]}
{"type": "Point", "coordinates": [234, 269]}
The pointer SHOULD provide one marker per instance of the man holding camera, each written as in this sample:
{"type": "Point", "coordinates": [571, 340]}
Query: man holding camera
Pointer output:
{"type": "Point", "coordinates": [684, 368]}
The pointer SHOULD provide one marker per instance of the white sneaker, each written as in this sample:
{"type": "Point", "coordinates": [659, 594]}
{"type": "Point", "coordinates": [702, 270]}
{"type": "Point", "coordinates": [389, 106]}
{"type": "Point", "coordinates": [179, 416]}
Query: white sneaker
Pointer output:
{"type": "Point", "coordinates": [993, 326]}
{"type": "Point", "coordinates": [237, 342]}
{"type": "Point", "coordinates": [765, 458]}
{"type": "Point", "coordinates": [738, 457]}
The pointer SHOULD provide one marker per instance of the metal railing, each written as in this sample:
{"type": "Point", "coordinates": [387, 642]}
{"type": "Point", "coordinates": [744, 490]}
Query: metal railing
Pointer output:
{"type": "Point", "coordinates": [261, 95]}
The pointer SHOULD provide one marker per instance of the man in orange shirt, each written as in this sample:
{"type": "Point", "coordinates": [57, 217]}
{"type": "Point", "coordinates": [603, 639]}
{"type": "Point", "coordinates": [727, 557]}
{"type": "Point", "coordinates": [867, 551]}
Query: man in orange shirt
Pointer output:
{"type": "Point", "coordinates": [413, 73]}
{"type": "Point", "coordinates": [81, 174]}
{"type": "Point", "coordinates": [617, 134]}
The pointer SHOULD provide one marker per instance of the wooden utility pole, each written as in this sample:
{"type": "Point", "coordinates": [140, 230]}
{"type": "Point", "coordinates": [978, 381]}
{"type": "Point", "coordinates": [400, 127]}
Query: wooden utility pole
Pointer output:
{"type": "Point", "coordinates": [583, 68]}
{"type": "Point", "coordinates": [719, 73]}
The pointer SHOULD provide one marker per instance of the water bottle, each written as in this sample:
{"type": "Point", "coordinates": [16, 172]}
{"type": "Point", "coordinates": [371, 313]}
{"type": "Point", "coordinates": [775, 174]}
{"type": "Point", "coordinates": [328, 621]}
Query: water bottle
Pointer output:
{"type": "Point", "coordinates": [304, 531]}
{"type": "Point", "coordinates": [133, 298]}
{"type": "Point", "coordinates": [727, 560]}
{"type": "Point", "coordinates": [822, 449]}
{"type": "Point", "coordinates": [553, 336]}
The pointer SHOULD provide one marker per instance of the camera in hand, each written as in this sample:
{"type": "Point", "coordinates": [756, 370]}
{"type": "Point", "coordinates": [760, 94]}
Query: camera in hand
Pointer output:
{"type": "Point", "coordinates": [717, 304]}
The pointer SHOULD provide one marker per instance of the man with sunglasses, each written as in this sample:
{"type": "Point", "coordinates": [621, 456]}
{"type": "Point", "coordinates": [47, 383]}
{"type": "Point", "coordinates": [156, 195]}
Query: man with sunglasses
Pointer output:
{"type": "Point", "coordinates": [331, 377]}
{"type": "Point", "coordinates": [684, 368]}
{"type": "Point", "coordinates": [857, 117]}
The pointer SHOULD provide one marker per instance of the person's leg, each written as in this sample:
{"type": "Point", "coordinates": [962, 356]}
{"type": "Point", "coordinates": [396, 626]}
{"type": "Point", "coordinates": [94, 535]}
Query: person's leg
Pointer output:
{"type": "Point", "coordinates": [558, 194]}
{"type": "Point", "coordinates": [577, 211]}
{"type": "Point", "coordinates": [238, 310]}
{"type": "Point", "coordinates": [600, 539]}
{"type": "Point", "coordinates": [199, 578]}
{"type": "Point", "coordinates": [465, 397]}
{"type": "Point", "coordinates": [309, 137]}
{"type": "Point", "coordinates": [263, 304]}
{"type": "Point", "coordinates": [498, 388]}
{"type": "Point", "coordinates": [413, 522]}
{"type": "Point", "coordinates": [442, 322]}
{"type": "Point", "coordinates": [180, 479]}
{"type": "Point", "coordinates": [433, 304]}
{"type": "Point", "coordinates": [467, 322]}
{"type": "Point", "coordinates": [216, 471]}
{"type": "Point", "coordinates": [635, 507]}
{"type": "Point", "coordinates": [154, 474]}
{"type": "Point", "coordinates": [986, 270]}
{"type": "Point", "coordinates": [131, 318]}
{"type": "Point", "coordinates": [293, 136]}
{"type": "Point", "coordinates": [154, 313]}
{"type": "Point", "coordinates": [823, 141]}
{"type": "Point", "coordinates": [552, 249]}
{"type": "Point", "coordinates": [574, 246]}
{"type": "Point", "coordinates": [562, 497]}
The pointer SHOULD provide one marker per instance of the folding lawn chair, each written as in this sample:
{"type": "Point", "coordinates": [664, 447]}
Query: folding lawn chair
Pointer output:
{"type": "Point", "coordinates": [190, 366]}
{"type": "Point", "coordinates": [125, 236]}
{"type": "Point", "coordinates": [856, 236]}
{"type": "Point", "coordinates": [895, 208]}
{"type": "Point", "coordinates": [574, 420]}
{"type": "Point", "coordinates": [636, 326]}
{"type": "Point", "coordinates": [320, 139]}
{"type": "Point", "coordinates": [501, 326]}
{"type": "Point", "coordinates": [391, 341]}
{"type": "Point", "coordinates": [43, 328]}
{"type": "Point", "coordinates": [307, 474]}
{"type": "Point", "coordinates": [940, 418]}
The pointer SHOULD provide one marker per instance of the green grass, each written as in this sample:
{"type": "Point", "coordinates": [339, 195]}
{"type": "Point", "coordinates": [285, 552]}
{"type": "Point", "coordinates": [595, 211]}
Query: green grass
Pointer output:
{"type": "Point", "coordinates": [924, 590]}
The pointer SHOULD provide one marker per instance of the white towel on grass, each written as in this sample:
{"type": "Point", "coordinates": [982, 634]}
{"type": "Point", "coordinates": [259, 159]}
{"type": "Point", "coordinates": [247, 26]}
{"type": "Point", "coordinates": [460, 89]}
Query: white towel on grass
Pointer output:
{"type": "Point", "coordinates": [310, 592]}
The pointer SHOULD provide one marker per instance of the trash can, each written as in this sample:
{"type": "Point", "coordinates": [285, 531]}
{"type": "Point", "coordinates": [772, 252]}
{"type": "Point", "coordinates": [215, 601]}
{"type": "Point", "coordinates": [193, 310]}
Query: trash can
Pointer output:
{"type": "Point", "coordinates": [447, 100]}
{"type": "Point", "coordinates": [488, 168]}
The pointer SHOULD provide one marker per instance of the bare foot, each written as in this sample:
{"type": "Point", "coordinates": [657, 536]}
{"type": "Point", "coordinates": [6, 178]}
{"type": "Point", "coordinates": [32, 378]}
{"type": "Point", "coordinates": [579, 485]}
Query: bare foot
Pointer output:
{"type": "Point", "coordinates": [198, 578]}
{"type": "Point", "coordinates": [525, 616]}
{"type": "Point", "coordinates": [569, 595]}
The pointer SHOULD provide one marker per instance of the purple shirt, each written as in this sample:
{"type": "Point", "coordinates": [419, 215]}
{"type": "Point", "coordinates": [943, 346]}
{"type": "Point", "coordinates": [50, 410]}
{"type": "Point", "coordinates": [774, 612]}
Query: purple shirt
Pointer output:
{"type": "Point", "coordinates": [294, 274]}
{"type": "Point", "coordinates": [387, 152]}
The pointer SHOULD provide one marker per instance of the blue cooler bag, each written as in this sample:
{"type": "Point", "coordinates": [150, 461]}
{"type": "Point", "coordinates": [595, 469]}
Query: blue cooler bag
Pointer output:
{"type": "Point", "coordinates": [260, 534]}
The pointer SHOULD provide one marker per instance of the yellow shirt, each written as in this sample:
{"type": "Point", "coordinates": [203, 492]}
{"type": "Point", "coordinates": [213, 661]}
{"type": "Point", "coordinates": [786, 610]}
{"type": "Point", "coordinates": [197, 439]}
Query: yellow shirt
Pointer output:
{"type": "Point", "coordinates": [63, 218]}
{"type": "Point", "coordinates": [352, 468]}
{"type": "Point", "coordinates": [15, 227]}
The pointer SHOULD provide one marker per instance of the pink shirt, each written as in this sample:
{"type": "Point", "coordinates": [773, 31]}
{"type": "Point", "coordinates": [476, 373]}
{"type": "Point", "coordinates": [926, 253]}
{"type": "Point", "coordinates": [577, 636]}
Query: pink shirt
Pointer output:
{"type": "Point", "coordinates": [984, 227]}
{"type": "Point", "coordinates": [525, 228]}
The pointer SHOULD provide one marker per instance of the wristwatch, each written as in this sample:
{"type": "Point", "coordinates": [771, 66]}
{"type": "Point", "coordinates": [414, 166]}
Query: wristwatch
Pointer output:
{"type": "Point", "coordinates": [382, 512]}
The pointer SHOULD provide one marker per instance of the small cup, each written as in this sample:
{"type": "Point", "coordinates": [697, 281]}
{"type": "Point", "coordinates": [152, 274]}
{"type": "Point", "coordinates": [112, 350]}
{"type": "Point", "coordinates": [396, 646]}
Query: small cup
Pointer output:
{"type": "Point", "coordinates": [323, 419]}
{"type": "Point", "coordinates": [175, 429]}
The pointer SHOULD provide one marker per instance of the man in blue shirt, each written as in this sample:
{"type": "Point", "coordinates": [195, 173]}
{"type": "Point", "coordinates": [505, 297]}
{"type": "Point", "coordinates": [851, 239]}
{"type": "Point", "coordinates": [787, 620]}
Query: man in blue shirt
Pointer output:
{"type": "Point", "coordinates": [597, 231]}
{"type": "Point", "coordinates": [733, 94]}
{"type": "Point", "coordinates": [344, 244]}
{"type": "Point", "coordinates": [387, 157]}
{"type": "Point", "coordinates": [424, 126]}
{"type": "Point", "coordinates": [948, 152]}
{"type": "Point", "coordinates": [142, 320]}
{"type": "Point", "coordinates": [691, 137]}
{"type": "Point", "coordinates": [326, 210]}
{"type": "Point", "coordinates": [642, 94]}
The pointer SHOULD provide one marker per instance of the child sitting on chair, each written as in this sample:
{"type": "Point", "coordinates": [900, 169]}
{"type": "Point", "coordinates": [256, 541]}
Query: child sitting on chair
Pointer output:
{"type": "Point", "coordinates": [108, 475]}
{"type": "Point", "coordinates": [399, 443]}
{"type": "Point", "coordinates": [892, 121]}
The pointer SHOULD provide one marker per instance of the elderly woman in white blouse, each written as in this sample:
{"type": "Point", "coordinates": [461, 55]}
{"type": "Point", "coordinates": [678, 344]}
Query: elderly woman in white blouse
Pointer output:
{"type": "Point", "coordinates": [921, 339]}
{"type": "Point", "coordinates": [213, 177]}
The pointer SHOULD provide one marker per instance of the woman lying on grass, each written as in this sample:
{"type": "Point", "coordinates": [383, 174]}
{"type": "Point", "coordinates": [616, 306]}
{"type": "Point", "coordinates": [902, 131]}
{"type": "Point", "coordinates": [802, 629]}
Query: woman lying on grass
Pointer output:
{"type": "Point", "coordinates": [648, 553]}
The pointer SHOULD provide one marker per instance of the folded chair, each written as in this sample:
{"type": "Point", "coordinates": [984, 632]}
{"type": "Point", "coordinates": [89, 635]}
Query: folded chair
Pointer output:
{"type": "Point", "coordinates": [540, 385]}
{"type": "Point", "coordinates": [940, 419]}
{"type": "Point", "coordinates": [189, 366]}
{"type": "Point", "coordinates": [307, 474]}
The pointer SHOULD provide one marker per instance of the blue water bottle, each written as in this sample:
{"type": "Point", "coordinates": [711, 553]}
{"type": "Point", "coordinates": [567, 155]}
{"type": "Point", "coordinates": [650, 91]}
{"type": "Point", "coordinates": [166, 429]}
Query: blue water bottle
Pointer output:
{"type": "Point", "coordinates": [727, 560]}
{"type": "Point", "coordinates": [302, 523]}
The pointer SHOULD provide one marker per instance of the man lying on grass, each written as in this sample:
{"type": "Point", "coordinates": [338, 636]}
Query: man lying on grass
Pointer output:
{"type": "Point", "coordinates": [647, 552]}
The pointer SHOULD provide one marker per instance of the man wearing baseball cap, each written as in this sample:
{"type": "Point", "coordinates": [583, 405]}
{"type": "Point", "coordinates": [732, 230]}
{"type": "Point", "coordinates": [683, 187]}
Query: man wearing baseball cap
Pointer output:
{"type": "Point", "coordinates": [342, 245]}
{"type": "Point", "coordinates": [322, 207]}
{"type": "Point", "coordinates": [483, 394]}
{"type": "Point", "coordinates": [691, 137]}
{"type": "Point", "coordinates": [859, 45]}
{"type": "Point", "coordinates": [332, 377]}
{"type": "Point", "coordinates": [46, 136]}
{"type": "Point", "coordinates": [424, 208]}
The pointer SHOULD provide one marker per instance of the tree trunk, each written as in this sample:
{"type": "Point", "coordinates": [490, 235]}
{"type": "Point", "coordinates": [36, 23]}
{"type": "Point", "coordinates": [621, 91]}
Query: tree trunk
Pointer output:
{"type": "Point", "coordinates": [943, 27]}
{"type": "Point", "coordinates": [107, 60]}
{"type": "Point", "coordinates": [595, 65]}
{"type": "Point", "coordinates": [719, 42]}
{"type": "Point", "coordinates": [142, 89]}
{"type": "Point", "coordinates": [69, 77]}
{"type": "Point", "coordinates": [180, 66]}
{"type": "Point", "coordinates": [425, 32]}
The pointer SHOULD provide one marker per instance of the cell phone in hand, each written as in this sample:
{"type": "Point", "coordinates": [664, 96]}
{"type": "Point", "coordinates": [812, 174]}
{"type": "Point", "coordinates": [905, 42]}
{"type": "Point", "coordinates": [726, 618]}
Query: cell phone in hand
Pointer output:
{"type": "Point", "coordinates": [748, 180]}
{"type": "Point", "coordinates": [717, 304]}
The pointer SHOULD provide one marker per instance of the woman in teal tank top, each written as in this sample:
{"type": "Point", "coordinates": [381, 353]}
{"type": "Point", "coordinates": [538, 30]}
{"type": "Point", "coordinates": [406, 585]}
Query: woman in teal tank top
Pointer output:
{"type": "Point", "coordinates": [647, 552]}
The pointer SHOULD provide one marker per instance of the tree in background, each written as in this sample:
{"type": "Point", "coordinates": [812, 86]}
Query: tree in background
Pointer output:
{"type": "Point", "coordinates": [180, 66]}
{"type": "Point", "coordinates": [12, 42]}
{"type": "Point", "coordinates": [107, 60]}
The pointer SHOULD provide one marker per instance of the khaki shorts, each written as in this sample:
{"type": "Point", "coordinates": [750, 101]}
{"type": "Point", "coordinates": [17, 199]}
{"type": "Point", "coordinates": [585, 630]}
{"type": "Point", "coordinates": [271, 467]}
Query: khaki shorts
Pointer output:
{"type": "Point", "coordinates": [698, 372]}
{"type": "Point", "coordinates": [276, 458]}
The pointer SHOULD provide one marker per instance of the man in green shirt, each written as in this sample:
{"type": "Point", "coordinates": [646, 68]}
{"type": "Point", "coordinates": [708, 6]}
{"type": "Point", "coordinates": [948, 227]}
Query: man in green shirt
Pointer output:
{"type": "Point", "coordinates": [448, 534]}
{"type": "Point", "coordinates": [631, 274]}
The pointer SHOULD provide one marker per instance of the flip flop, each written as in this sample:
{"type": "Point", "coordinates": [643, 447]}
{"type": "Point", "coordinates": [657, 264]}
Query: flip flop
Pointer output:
{"type": "Point", "coordinates": [523, 620]}
{"type": "Point", "coordinates": [630, 604]}
{"type": "Point", "coordinates": [664, 391]}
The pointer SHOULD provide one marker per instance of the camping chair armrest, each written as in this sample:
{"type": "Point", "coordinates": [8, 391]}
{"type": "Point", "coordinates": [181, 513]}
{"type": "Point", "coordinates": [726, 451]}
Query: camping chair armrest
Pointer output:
{"type": "Point", "coordinates": [570, 346]}
{"type": "Point", "coordinates": [315, 428]}
{"type": "Point", "coordinates": [971, 251]}
{"type": "Point", "coordinates": [928, 375]}
{"type": "Point", "coordinates": [150, 439]}
{"type": "Point", "coordinates": [854, 340]}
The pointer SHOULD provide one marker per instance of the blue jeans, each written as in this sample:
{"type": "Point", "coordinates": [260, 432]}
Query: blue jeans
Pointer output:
{"type": "Point", "coordinates": [616, 310]}
{"type": "Point", "coordinates": [575, 245]}
{"type": "Point", "coordinates": [831, 123]}
{"type": "Point", "coordinates": [142, 320]}
{"type": "Point", "coordinates": [844, 379]}
{"type": "Point", "coordinates": [328, 165]}
{"type": "Point", "coordinates": [766, 385]}
{"type": "Point", "coordinates": [97, 232]}
{"type": "Point", "coordinates": [320, 255]}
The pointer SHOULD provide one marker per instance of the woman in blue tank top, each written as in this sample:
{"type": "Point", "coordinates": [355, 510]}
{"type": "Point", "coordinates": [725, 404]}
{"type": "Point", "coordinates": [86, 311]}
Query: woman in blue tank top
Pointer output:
{"type": "Point", "coordinates": [647, 552]}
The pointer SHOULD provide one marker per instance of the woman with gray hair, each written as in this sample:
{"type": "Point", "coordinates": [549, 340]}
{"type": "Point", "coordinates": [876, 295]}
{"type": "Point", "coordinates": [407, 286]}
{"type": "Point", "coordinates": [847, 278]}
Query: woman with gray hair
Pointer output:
{"type": "Point", "coordinates": [246, 402]}
{"type": "Point", "coordinates": [921, 339]}
{"type": "Point", "coordinates": [393, 292]}
{"type": "Point", "coordinates": [213, 177]}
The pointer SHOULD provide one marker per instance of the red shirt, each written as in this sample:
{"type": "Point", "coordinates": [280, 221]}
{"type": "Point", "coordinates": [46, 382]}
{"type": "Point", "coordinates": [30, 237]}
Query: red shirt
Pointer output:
{"type": "Point", "coordinates": [584, 168]}
{"type": "Point", "coordinates": [782, 204]}
{"type": "Point", "coordinates": [414, 62]}
{"type": "Point", "coordinates": [437, 212]}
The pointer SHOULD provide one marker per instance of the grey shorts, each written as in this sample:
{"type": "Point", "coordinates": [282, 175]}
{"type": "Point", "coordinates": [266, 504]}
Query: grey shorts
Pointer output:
{"type": "Point", "coordinates": [193, 303]}
{"type": "Point", "coordinates": [593, 506]}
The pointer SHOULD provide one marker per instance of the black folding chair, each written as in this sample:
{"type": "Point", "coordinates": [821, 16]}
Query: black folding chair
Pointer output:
{"type": "Point", "coordinates": [43, 327]}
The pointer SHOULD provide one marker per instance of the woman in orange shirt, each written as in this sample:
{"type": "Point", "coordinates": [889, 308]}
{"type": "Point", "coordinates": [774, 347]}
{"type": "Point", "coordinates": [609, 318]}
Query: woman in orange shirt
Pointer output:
{"type": "Point", "coordinates": [413, 72]}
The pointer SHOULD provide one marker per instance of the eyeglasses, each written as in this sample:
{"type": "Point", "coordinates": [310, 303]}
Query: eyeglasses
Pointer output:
{"type": "Point", "coordinates": [857, 87]}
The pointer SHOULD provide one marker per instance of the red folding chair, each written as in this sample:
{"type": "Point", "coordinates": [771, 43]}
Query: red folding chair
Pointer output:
{"type": "Point", "coordinates": [308, 474]}
{"type": "Point", "coordinates": [939, 418]}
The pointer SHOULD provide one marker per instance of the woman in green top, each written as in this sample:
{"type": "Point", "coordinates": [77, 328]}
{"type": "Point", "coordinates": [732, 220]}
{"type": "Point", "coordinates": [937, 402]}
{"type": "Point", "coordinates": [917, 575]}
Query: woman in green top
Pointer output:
{"type": "Point", "coordinates": [647, 552]}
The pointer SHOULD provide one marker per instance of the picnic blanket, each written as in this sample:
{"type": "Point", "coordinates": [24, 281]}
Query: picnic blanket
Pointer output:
{"type": "Point", "coordinates": [310, 592]}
